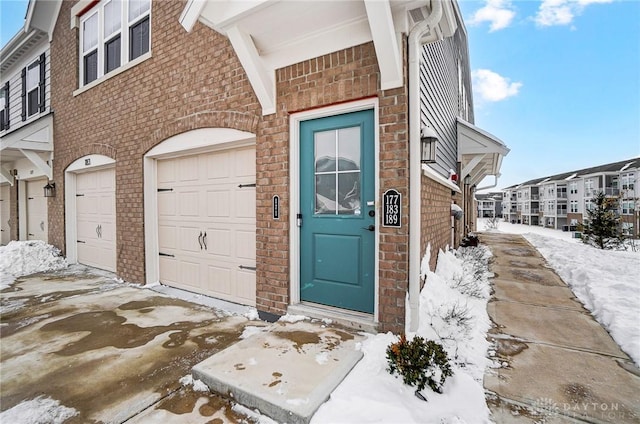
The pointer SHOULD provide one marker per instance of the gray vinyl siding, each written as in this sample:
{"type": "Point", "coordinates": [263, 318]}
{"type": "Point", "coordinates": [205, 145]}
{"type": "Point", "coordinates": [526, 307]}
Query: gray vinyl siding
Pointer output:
{"type": "Point", "coordinates": [441, 99]}
{"type": "Point", "coordinates": [15, 94]}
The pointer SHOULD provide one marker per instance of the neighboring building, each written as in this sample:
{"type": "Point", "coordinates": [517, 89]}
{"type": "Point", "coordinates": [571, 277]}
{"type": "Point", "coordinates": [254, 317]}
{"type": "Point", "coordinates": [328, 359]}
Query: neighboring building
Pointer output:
{"type": "Point", "coordinates": [489, 205]}
{"type": "Point", "coordinates": [26, 127]}
{"type": "Point", "coordinates": [200, 145]}
{"type": "Point", "coordinates": [561, 201]}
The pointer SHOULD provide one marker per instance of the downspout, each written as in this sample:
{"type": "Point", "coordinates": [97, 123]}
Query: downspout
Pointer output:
{"type": "Point", "coordinates": [495, 183]}
{"type": "Point", "coordinates": [415, 165]}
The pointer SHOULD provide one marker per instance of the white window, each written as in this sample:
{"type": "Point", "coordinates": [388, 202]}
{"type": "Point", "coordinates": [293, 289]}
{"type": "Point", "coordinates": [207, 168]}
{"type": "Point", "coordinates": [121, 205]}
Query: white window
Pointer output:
{"type": "Point", "coordinates": [588, 205]}
{"type": "Point", "coordinates": [627, 228]}
{"type": "Point", "coordinates": [588, 187]}
{"type": "Point", "coordinates": [33, 88]}
{"type": "Point", "coordinates": [574, 206]}
{"type": "Point", "coordinates": [551, 206]}
{"type": "Point", "coordinates": [628, 207]}
{"type": "Point", "coordinates": [4, 107]}
{"type": "Point", "coordinates": [573, 188]}
{"type": "Point", "coordinates": [105, 44]}
{"type": "Point", "coordinates": [628, 181]}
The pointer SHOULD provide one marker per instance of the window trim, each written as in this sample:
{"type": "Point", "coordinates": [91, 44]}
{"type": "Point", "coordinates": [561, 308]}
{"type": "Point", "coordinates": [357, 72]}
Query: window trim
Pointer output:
{"type": "Point", "coordinates": [41, 64]}
{"type": "Point", "coordinates": [122, 33]}
{"type": "Point", "coordinates": [5, 115]}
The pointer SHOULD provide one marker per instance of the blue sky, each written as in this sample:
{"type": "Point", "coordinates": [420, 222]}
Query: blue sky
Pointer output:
{"type": "Point", "coordinates": [557, 80]}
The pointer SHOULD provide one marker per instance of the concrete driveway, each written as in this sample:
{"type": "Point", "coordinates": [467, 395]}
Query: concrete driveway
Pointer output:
{"type": "Point", "coordinates": [110, 351]}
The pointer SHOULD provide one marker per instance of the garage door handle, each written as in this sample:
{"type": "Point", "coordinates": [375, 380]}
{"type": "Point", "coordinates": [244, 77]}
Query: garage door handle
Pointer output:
{"type": "Point", "coordinates": [204, 240]}
{"type": "Point", "coordinates": [80, 241]}
{"type": "Point", "coordinates": [251, 268]}
{"type": "Point", "coordinates": [200, 240]}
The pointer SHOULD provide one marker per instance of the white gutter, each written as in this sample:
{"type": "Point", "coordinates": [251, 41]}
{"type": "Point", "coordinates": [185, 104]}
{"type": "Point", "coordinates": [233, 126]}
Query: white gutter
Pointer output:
{"type": "Point", "coordinates": [415, 168]}
{"type": "Point", "coordinates": [495, 183]}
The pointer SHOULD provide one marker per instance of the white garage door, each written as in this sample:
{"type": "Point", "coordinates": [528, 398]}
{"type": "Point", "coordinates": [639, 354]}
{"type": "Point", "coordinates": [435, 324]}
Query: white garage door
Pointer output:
{"type": "Point", "coordinates": [96, 218]}
{"type": "Point", "coordinates": [207, 224]}
{"type": "Point", "coordinates": [37, 224]}
{"type": "Point", "coordinates": [5, 207]}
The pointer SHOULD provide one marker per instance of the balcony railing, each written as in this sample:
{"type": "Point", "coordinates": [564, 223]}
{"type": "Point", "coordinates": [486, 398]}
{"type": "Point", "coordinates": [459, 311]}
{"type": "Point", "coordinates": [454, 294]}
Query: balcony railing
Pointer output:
{"type": "Point", "coordinates": [562, 195]}
{"type": "Point", "coordinates": [535, 197]}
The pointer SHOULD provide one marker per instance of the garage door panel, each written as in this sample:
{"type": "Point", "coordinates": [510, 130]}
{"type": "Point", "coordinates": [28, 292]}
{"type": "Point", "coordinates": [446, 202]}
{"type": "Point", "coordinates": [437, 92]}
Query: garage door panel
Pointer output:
{"type": "Point", "coordinates": [213, 204]}
{"type": "Point", "coordinates": [87, 204]}
{"type": "Point", "coordinates": [106, 204]}
{"type": "Point", "coordinates": [95, 218]}
{"type": "Point", "coordinates": [87, 230]}
{"type": "Point", "coordinates": [217, 166]}
{"type": "Point", "coordinates": [5, 207]}
{"type": "Point", "coordinates": [167, 204]}
{"type": "Point", "coordinates": [86, 181]}
{"type": "Point", "coordinates": [190, 273]}
{"type": "Point", "coordinates": [245, 163]}
{"type": "Point", "coordinates": [108, 231]}
{"type": "Point", "coordinates": [219, 242]}
{"type": "Point", "coordinates": [245, 203]}
{"type": "Point", "coordinates": [169, 269]}
{"type": "Point", "coordinates": [188, 169]}
{"type": "Point", "coordinates": [218, 203]}
{"type": "Point", "coordinates": [246, 285]}
{"type": "Point", "coordinates": [89, 255]}
{"type": "Point", "coordinates": [37, 221]}
{"type": "Point", "coordinates": [219, 280]}
{"type": "Point", "coordinates": [106, 180]}
{"type": "Point", "coordinates": [189, 203]}
{"type": "Point", "coordinates": [167, 238]}
{"type": "Point", "coordinates": [245, 245]}
{"type": "Point", "coordinates": [190, 239]}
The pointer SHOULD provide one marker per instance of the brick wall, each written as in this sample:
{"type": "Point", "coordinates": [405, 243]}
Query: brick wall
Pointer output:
{"type": "Point", "coordinates": [436, 219]}
{"type": "Point", "coordinates": [193, 80]}
{"type": "Point", "coordinates": [334, 78]}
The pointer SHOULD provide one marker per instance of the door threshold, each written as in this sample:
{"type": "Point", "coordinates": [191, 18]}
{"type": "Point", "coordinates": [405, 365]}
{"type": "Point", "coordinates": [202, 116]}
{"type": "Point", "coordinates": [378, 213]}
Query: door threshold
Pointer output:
{"type": "Point", "coordinates": [350, 319]}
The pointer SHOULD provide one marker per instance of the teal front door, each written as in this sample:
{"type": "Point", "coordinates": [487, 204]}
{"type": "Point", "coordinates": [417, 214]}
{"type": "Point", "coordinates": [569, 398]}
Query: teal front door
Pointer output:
{"type": "Point", "coordinates": [337, 194]}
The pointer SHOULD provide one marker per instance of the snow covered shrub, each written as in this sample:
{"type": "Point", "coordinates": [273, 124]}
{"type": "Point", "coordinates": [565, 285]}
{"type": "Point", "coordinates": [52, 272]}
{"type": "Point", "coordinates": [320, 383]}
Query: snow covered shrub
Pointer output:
{"type": "Point", "coordinates": [492, 223]}
{"type": "Point", "coordinates": [420, 362]}
{"type": "Point", "coordinates": [459, 316]}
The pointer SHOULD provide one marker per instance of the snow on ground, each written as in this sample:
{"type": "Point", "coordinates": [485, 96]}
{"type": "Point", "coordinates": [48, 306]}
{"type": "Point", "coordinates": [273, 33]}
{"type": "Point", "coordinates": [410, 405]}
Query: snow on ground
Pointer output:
{"type": "Point", "coordinates": [20, 258]}
{"type": "Point", "coordinates": [449, 315]}
{"type": "Point", "coordinates": [41, 410]}
{"type": "Point", "coordinates": [605, 281]}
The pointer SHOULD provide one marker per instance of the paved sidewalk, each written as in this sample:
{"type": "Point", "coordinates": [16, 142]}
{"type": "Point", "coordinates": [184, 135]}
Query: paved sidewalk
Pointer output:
{"type": "Point", "coordinates": [558, 364]}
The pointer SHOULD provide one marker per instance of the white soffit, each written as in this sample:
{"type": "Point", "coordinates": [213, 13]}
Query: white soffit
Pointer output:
{"type": "Point", "coordinates": [269, 34]}
{"type": "Point", "coordinates": [479, 152]}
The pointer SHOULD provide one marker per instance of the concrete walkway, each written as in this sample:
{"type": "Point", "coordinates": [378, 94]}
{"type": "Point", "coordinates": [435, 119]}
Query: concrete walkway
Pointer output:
{"type": "Point", "coordinates": [558, 365]}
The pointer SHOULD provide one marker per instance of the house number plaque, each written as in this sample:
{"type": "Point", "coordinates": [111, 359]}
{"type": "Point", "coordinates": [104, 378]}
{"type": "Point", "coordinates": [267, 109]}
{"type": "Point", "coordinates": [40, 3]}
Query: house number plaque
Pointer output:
{"type": "Point", "coordinates": [392, 208]}
{"type": "Point", "coordinates": [276, 207]}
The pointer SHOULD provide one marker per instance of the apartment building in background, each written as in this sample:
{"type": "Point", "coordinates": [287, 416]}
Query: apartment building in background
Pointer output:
{"type": "Point", "coordinates": [561, 201]}
{"type": "Point", "coordinates": [489, 204]}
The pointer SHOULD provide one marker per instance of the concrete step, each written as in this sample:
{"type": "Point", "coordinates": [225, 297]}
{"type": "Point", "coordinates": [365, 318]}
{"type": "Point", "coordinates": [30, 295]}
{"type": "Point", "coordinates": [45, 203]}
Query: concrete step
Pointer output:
{"type": "Point", "coordinates": [286, 371]}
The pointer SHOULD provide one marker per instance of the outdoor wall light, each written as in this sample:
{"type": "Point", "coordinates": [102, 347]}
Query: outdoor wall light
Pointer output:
{"type": "Point", "coordinates": [467, 180]}
{"type": "Point", "coordinates": [429, 141]}
{"type": "Point", "coordinates": [50, 189]}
